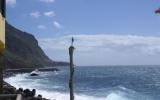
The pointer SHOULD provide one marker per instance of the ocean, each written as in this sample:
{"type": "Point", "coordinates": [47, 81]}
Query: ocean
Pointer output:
{"type": "Point", "coordinates": [95, 83]}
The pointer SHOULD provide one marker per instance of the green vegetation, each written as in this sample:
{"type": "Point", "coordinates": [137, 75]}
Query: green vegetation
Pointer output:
{"type": "Point", "coordinates": [23, 51]}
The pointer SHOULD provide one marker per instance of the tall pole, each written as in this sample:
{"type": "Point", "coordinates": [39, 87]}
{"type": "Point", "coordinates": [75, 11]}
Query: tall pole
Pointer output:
{"type": "Point", "coordinates": [71, 49]}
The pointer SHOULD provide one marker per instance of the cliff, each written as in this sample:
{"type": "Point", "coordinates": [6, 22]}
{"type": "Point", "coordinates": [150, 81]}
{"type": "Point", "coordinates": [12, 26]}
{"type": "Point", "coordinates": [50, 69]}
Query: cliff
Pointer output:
{"type": "Point", "coordinates": [22, 51]}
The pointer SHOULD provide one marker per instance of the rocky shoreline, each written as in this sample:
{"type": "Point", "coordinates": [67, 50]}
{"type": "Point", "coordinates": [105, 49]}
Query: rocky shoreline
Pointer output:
{"type": "Point", "coordinates": [27, 94]}
{"type": "Point", "coordinates": [11, 72]}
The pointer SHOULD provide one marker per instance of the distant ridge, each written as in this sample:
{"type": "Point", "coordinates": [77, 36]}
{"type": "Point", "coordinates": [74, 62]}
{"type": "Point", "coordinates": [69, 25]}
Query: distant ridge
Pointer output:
{"type": "Point", "coordinates": [23, 51]}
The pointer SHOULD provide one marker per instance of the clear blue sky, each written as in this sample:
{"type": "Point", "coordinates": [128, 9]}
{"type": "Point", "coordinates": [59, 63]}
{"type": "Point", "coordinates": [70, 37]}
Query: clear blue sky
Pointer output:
{"type": "Point", "coordinates": [106, 31]}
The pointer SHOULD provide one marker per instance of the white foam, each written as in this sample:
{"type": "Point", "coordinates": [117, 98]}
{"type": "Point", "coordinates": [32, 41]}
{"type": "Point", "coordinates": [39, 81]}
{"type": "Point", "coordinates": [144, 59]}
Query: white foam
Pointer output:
{"type": "Point", "coordinates": [115, 96]}
{"type": "Point", "coordinates": [16, 80]}
{"type": "Point", "coordinates": [21, 80]}
{"type": "Point", "coordinates": [65, 96]}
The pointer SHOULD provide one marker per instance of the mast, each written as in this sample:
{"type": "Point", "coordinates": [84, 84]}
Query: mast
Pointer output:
{"type": "Point", "coordinates": [71, 49]}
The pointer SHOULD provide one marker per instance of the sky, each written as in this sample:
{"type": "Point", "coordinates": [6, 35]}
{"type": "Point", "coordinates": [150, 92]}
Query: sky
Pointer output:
{"type": "Point", "coordinates": [106, 32]}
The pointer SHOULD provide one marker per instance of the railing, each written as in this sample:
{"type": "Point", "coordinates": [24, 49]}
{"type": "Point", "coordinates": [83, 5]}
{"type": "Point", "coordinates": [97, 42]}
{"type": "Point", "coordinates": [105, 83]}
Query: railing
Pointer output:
{"type": "Point", "coordinates": [11, 96]}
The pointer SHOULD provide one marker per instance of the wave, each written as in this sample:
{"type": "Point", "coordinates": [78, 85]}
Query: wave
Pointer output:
{"type": "Point", "coordinates": [115, 93]}
{"type": "Point", "coordinates": [61, 96]}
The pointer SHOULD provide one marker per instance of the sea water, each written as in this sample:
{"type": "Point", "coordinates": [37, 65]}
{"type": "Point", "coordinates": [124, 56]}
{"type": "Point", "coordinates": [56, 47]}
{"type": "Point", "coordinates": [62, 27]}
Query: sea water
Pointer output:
{"type": "Point", "coordinates": [95, 83]}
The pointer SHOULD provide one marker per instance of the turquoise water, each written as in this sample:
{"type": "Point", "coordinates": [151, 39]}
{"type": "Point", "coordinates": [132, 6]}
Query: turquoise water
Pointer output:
{"type": "Point", "coordinates": [96, 83]}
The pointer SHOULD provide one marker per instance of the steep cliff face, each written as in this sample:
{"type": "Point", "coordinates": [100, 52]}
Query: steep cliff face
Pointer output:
{"type": "Point", "coordinates": [23, 51]}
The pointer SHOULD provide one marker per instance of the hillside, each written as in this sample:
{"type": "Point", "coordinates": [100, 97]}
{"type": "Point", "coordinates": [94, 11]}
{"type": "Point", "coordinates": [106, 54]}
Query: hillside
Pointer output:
{"type": "Point", "coordinates": [23, 51]}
